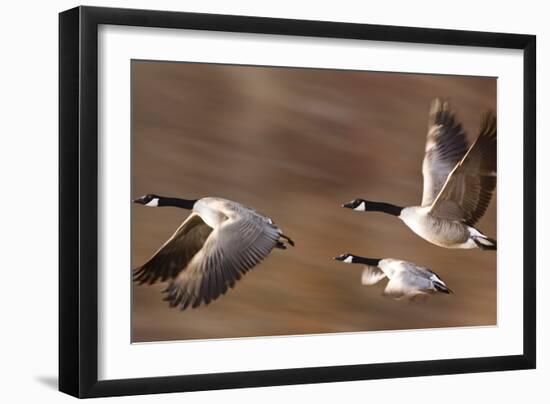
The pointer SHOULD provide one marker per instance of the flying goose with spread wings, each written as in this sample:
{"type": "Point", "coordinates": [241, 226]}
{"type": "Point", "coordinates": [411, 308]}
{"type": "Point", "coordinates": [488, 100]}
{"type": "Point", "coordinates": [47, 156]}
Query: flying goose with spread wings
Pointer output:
{"type": "Point", "coordinates": [458, 183]}
{"type": "Point", "coordinates": [406, 279]}
{"type": "Point", "coordinates": [214, 247]}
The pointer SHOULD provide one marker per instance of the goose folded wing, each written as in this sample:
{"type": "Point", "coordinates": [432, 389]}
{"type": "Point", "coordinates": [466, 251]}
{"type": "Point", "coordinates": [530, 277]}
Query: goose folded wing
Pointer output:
{"type": "Point", "coordinates": [445, 146]}
{"type": "Point", "coordinates": [406, 284]}
{"type": "Point", "coordinates": [468, 190]}
{"type": "Point", "coordinates": [397, 287]}
{"type": "Point", "coordinates": [176, 252]}
{"type": "Point", "coordinates": [230, 251]}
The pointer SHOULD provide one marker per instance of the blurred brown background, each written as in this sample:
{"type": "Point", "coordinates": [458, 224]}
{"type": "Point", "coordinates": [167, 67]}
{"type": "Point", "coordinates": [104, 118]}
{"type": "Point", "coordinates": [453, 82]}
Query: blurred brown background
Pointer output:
{"type": "Point", "coordinates": [295, 144]}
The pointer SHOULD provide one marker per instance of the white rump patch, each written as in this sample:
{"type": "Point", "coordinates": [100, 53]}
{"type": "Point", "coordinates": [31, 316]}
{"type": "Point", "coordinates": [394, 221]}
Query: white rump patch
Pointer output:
{"type": "Point", "coordinates": [484, 241]}
{"type": "Point", "coordinates": [479, 237]}
{"type": "Point", "coordinates": [474, 233]}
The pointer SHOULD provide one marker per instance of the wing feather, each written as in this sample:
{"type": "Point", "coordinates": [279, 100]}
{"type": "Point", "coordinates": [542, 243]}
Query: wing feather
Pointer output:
{"type": "Point", "coordinates": [407, 284]}
{"type": "Point", "coordinates": [445, 146]}
{"type": "Point", "coordinates": [469, 188]}
{"type": "Point", "coordinates": [371, 275]}
{"type": "Point", "coordinates": [176, 253]}
{"type": "Point", "coordinates": [230, 251]}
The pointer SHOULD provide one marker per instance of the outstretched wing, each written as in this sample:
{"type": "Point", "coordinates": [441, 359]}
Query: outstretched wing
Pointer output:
{"type": "Point", "coordinates": [176, 252]}
{"type": "Point", "coordinates": [445, 147]}
{"type": "Point", "coordinates": [469, 188]}
{"type": "Point", "coordinates": [371, 275]}
{"type": "Point", "coordinates": [230, 251]}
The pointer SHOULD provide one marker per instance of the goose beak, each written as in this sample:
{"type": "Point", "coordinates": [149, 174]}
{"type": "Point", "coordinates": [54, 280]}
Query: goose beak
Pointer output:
{"type": "Point", "coordinates": [349, 205]}
{"type": "Point", "coordinates": [140, 200]}
{"type": "Point", "coordinates": [340, 257]}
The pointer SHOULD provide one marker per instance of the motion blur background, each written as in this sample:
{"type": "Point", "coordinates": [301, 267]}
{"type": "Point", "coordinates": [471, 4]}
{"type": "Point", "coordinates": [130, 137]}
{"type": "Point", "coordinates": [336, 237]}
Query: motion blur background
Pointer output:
{"type": "Point", "coordinates": [294, 144]}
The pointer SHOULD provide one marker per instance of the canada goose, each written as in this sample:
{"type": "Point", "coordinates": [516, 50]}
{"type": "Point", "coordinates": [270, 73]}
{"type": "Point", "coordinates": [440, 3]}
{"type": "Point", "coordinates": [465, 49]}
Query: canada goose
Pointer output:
{"type": "Point", "coordinates": [212, 249]}
{"type": "Point", "coordinates": [405, 278]}
{"type": "Point", "coordinates": [458, 183]}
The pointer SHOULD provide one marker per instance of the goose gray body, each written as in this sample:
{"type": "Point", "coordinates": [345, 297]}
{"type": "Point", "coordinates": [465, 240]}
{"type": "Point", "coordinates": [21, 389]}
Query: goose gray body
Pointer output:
{"type": "Point", "coordinates": [458, 183]}
{"type": "Point", "coordinates": [405, 279]}
{"type": "Point", "coordinates": [441, 231]}
{"type": "Point", "coordinates": [213, 248]}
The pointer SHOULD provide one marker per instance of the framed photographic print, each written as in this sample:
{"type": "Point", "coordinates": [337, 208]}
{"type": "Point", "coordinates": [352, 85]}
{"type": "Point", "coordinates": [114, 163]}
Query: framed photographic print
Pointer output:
{"type": "Point", "coordinates": [328, 200]}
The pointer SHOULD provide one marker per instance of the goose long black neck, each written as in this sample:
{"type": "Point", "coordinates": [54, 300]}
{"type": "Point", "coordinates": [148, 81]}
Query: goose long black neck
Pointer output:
{"type": "Point", "coordinates": [177, 202]}
{"type": "Point", "coordinates": [383, 207]}
{"type": "Point", "coordinates": [367, 261]}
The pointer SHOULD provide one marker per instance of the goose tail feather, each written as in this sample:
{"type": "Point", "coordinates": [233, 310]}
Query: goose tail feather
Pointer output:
{"type": "Point", "coordinates": [442, 288]}
{"type": "Point", "coordinates": [485, 243]}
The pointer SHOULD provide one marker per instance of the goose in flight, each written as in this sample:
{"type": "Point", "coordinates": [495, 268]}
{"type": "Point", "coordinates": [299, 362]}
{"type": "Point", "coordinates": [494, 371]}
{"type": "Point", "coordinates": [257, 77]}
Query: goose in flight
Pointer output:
{"type": "Point", "coordinates": [405, 278]}
{"type": "Point", "coordinates": [212, 249]}
{"type": "Point", "coordinates": [458, 183]}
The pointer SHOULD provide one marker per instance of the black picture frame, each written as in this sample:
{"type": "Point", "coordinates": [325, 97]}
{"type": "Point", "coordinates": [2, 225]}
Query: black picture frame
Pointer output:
{"type": "Point", "coordinates": [78, 196]}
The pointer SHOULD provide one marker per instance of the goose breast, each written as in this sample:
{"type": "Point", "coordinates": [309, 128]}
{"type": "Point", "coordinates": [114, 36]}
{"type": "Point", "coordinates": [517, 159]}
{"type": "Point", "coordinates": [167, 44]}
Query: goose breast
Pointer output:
{"type": "Point", "coordinates": [441, 232]}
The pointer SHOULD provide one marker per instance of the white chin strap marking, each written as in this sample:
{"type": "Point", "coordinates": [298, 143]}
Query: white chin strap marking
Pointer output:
{"type": "Point", "coordinates": [348, 260]}
{"type": "Point", "coordinates": [153, 203]}
{"type": "Point", "coordinates": [361, 206]}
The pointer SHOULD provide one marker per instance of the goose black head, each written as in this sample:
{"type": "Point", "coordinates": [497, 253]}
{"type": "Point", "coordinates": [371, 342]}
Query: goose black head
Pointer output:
{"type": "Point", "coordinates": [347, 258]}
{"type": "Point", "coordinates": [354, 259]}
{"type": "Point", "coordinates": [150, 200]}
{"type": "Point", "coordinates": [356, 204]}
{"type": "Point", "coordinates": [371, 206]}
{"type": "Point", "coordinates": [154, 201]}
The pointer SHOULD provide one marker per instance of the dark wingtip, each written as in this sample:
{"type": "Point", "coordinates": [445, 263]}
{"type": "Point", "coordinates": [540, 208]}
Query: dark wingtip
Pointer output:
{"type": "Point", "coordinates": [139, 275]}
{"type": "Point", "coordinates": [489, 124]}
{"type": "Point", "coordinates": [440, 111]}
